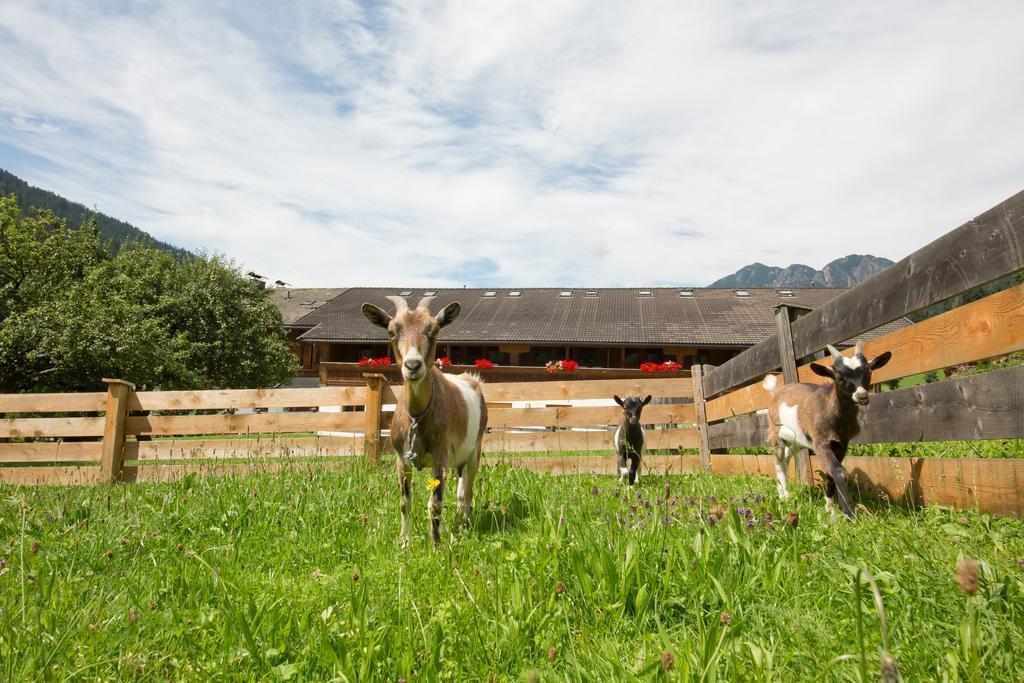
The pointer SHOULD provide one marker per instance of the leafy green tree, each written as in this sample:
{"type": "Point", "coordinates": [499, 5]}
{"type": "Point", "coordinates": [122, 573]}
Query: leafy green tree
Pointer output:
{"type": "Point", "coordinates": [71, 314]}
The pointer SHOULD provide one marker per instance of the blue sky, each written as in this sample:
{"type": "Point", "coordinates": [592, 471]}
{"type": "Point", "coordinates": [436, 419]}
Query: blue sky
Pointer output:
{"type": "Point", "coordinates": [537, 143]}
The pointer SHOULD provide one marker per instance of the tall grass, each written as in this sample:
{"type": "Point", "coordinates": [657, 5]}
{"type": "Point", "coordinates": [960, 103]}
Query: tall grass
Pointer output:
{"type": "Point", "coordinates": [298, 576]}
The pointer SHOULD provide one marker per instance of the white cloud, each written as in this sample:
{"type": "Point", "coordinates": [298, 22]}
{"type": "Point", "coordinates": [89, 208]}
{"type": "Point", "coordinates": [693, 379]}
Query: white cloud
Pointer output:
{"type": "Point", "coordinates": [568, 143]}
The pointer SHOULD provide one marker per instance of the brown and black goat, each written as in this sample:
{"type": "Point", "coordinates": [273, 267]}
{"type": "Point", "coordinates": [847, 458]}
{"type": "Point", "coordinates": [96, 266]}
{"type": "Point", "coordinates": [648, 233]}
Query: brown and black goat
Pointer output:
{"type": "Point", "coordinates": [440, 419]}
{"type": "Point", "coordinates": [822, 417]}
{"type": "Point", "coordinates": [629, 437]}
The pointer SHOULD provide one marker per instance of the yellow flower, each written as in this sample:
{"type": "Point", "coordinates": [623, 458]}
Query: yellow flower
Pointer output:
{"type": "Point", "coordinates": [433, 483]}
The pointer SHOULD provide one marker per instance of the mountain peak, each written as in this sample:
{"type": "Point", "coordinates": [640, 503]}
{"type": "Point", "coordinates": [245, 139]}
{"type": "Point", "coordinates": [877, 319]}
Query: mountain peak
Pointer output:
{"type": "Point", "coordinates": [845, 271]}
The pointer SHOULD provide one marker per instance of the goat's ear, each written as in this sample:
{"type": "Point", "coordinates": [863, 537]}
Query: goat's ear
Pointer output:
{"type": "Point", "coordinates": [617, 400]}
{"type": "Point", "coordinates": [881, 360]}
{"type": "Point", "coordinates": [376, 315]}
{"type": "Point", "coordinates": [448, 315]}
{"type": "Point", "coordinates": [822, 370]}
{"type": "Point", "coordinates": [647, 400]}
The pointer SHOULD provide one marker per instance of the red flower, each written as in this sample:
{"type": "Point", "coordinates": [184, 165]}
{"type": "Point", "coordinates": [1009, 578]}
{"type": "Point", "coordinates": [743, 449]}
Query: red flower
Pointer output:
{"type": "Point", "coordinates": [443, 362]}
{"type": "Point", "coordinates": [667, 366]}
{"type": "Point", "coordinates": [375, 362]}
{"type": "Point", "coordinates": [562, 365]}
{"type": "Point", "coordinates": [483, 363]}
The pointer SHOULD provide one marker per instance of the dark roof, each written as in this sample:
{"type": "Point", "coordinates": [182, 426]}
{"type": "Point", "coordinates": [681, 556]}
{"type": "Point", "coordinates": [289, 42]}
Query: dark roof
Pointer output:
{"type": "Point", "coordinates": [296, 303]}
{"type": "Point", "coordinates": [627, 316]}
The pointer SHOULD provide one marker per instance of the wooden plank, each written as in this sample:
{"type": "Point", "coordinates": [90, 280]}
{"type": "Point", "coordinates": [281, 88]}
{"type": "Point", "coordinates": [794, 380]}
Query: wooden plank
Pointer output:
{"type": "Point", "coordinates": [375, 384]}
{"type": "Point", "coordinates": [981, 250]}
{"type": "Point", "coordinates": [539, 442]}
{"type": "Point", "coordinates": [745, 400]}
{"type": "Point", "coordinates": [169, 473]}
{"type": "Point", "coordinates": [787, 359]}
{"type": "Point", "coordinates": [700, 406]}
{"type": "Point", "coordinates": [744, 431]}
{"type": "Point", "coordinates": [755, 362]}
{"type": "Point", "coordinates": [35, 427]}
{"type": "Point", "coordinates": [112, 448]}
{"type": "Point", "coordinates": [991, 485]}
{"type": "Point", "coordinates": [233, 449]}
{"type": "Point", "coordinates": [585, 416]}
{"type": "Point", "coordinates": [57, 475]}
{"type": "Point", "coordinates": [248, 398]}
{"type": "Point", "coordinates": [50, 451]}
{"type": "Point", "coordinates": [650, 464]}
{"type": "Point", "coordinates": [92, 402]}
{"type": "Point", "coordinates": [599, 388]}
{"type": "Point", "coordinates": [989, 406]}
{"type": "Point", "coordinates": [245, 424]}
{"type": "Point", "coordinates": [783, 325]}
{"type": "Point", "coordinates": [566, 390]}
{"type": "Point", "coordinates": [981, 329]}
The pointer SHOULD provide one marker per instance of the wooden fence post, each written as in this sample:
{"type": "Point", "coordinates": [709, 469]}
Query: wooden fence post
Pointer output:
{"type": "Point", "coordinates": [112, 449]}
{"type": "Point", "coordinates": [371, 431]}
{"type": "Point", "coordinates": [784, 316]}
{"type": "Point", "coordinates": [702, 419]}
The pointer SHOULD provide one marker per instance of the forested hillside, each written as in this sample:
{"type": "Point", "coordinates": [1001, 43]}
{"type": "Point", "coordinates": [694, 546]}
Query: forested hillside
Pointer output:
{"type": "Point", "coordinates": [113, 233]}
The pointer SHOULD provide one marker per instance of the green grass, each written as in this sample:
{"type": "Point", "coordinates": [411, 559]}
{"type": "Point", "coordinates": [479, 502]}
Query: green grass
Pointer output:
{"type": "Point", "coordinates": [299, 576]}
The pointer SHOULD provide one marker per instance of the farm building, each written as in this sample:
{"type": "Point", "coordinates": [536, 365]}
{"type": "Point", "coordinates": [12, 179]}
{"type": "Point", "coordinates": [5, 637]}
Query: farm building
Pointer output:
{"type": "Point", "coordinates": [599, 327]}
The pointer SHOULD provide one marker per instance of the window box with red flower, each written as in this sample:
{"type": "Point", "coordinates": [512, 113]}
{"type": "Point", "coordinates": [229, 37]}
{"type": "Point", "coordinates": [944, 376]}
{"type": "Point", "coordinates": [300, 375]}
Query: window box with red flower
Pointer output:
{"type": "Point", "coordinates": [667, 366]}
{"type": "Point", "coordinates": [562, 366]}
{"type": "Point", "coordinates": [374, 362]}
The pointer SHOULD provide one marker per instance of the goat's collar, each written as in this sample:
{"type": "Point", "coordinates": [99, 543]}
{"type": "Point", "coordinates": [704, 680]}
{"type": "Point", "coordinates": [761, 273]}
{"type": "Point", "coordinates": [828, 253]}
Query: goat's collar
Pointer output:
{"type": "Point", "coordinates": [414, 422]}
{"type": "Point", "coordinates": [416, 418]}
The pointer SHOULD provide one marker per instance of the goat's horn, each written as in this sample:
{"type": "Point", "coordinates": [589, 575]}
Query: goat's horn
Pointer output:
{"type": "Point", "coordinates": [833, 350]}
{"type": "Point", "coordinates": [860, 349]}
{"type": "Point", "coordinates": [399, 302]}
{"type": "Point", "coordinates": [425, 303]}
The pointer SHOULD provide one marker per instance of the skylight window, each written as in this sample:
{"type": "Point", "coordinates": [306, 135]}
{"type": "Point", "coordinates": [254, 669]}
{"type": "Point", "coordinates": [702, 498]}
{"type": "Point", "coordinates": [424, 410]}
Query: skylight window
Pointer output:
{"type": "Point", "coordinates": [429, 292]}
{"type": "Point", "coordinates": [491, 292]}
{"type": "Point", "coordinates": [514, 292]}
{"type": "Point", "coordinates": [645, 292]}
{"type": "Point", "coordinates": [591, 292]}
{"type": "Point", "coordinates": [786, 292]}
{"type": "Point", "coordinates": [686, 293]}
{"type": "Point", "coordinates": [565, 293]}
{"type": "Point", "coordinates": [405, 292]}
{"type": "Point", "coordinates": [742, 292]}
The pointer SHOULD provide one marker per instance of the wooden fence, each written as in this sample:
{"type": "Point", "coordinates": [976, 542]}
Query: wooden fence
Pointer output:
{"type": "Point", "coordinates": [730, 400]}
{"type": "Point", "coordinates": [351, 374]}
{"type": "Point", "coordinates": [128, 435]}
{"type": "Point", "coordinates": [122, 434]}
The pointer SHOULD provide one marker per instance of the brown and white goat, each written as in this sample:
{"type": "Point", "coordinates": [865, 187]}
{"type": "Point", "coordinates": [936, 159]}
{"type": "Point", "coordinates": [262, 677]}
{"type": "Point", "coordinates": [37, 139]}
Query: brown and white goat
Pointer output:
{"type": "Point", "coordinates": [629, 437]}
{"type": "Point", "coordinates": [822, 417]}
{"type": "Point", "coordinates": [440, 420]}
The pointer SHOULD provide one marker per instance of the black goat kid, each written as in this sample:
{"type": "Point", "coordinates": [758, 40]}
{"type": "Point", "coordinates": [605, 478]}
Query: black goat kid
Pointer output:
{"type": "Point", "coordinates": [629, 437]}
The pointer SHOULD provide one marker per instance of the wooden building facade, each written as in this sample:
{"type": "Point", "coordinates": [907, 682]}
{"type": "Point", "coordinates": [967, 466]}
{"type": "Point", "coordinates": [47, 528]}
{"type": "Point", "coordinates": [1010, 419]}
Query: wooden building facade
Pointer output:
{"type": "Point", "coordinates": [609, 328]}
